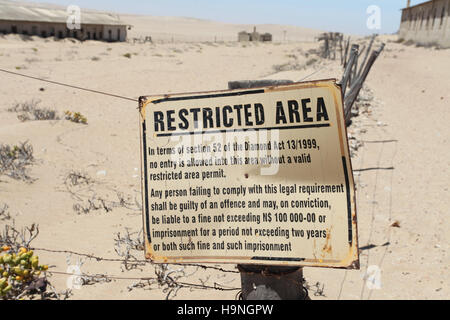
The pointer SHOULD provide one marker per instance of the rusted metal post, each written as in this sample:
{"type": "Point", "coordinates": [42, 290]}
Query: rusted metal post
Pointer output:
{"type": "Point", "coordinates": [262, 282]}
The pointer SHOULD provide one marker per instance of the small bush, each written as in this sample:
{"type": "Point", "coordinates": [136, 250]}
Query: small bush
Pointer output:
{"type": "Point", "coordinates": [4, 214]}
{"type": "Point", "coordinates": [287, 66]}
{"type": "Point", "coordinates": [21, 274]}
{"type": "Point", "coordinates": [30, 111]}
{"type": "Point", "coordinates": [14, 161]}
{"type": "Point", "coordinates": [76, 178]}
{"type": "Point", "coordinates": [311, 61]}
{"type": "Point", "coordinates": [95, 59]}
{"type": "Point", "coordinates": [127, 55]}
{"type": "Point", "coordinates": [18, 269]}
{"type": "Point", "coordinates": [76, 117]}
{"type": "Point", "coordinates": [31, 60]}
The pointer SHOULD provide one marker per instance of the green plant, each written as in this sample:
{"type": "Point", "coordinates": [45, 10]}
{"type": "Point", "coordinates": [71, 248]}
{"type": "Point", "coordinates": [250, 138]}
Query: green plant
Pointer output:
{"type": "Point", "coordinates": [127, 55]}
{"type": "Point", "coordinates": [17, 271]}
{"type": "Point", "coordinates": [76, 117]}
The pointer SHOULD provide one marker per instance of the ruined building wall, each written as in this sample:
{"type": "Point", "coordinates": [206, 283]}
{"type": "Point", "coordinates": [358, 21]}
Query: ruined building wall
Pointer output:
{"type": "Point", "coordinates": [427, 23]}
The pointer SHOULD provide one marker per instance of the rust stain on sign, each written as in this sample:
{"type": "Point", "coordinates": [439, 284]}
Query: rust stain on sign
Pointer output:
{"type": "Point", "coordinates": [199, 206]}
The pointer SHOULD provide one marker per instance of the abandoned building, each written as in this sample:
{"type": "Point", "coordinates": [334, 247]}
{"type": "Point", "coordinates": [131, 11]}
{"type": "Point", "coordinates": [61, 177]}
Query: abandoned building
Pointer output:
{"type": "Point", "coordinates": [426, 23]}
{"type": "Point", "coordinates": [51, 21]}
{"type": "Point", "coordinates": [254, 36]}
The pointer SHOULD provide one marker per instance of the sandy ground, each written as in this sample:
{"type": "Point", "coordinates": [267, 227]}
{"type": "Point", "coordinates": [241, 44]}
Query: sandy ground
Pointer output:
{"type": "Point", "coordinates": [405, 128]}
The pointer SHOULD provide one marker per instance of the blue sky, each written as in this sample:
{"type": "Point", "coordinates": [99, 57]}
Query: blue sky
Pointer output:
{"type": "Point", "coordinates": [347, 16]}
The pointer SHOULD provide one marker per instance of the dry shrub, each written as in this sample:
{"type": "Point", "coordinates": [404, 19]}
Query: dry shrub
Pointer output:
{"type": "Point", "coordinates": [14, 161]}
{"type": "Point", "coordinates": [4, 213]}
{"type": "Point", "coordinates": [29, 111]}
{"type": "Point", "coordinates": [288, 66]}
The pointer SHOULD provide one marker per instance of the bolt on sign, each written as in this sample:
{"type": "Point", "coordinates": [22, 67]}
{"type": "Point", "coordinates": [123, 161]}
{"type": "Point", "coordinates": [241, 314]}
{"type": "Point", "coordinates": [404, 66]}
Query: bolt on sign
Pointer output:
{"type": "Point", "coordinates": [254, 176]}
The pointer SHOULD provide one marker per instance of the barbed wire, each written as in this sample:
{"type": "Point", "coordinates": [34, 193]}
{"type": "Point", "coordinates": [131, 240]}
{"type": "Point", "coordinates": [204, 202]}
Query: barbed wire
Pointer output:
{"type": "Point", "coordinates": [216, 285]}
{"type": "Point", "coordinates": [93, 257]}
{"type": "Point", "coordinates": [311, 74]}
{"type": "Point", "coordinates": [167, 279]}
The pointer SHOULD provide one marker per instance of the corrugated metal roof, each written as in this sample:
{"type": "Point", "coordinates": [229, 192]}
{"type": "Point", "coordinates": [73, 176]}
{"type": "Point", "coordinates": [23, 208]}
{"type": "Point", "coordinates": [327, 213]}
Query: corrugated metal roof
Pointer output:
{"type": "Point", "coordinates": [18, 11]}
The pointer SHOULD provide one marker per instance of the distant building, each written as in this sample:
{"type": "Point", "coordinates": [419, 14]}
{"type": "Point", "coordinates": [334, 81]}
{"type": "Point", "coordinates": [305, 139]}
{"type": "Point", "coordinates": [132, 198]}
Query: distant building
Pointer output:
{"type": "Point", "coordinates": [243, 36]}
{"type": "Point", "coordinates": [51, 21]}
{"type": "Point", "coordinates": [266, 37]}
{"type": "Point", "coordinates": [426, 23]}
{"type": "Point", "coordinates": [254, 36]}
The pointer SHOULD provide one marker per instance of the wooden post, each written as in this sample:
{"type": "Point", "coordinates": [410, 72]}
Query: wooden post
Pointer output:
{"type": "Point", "coordinates": [334, 45]}
{"type": "Point", "coordinates": [347, 46]}
{"type": "Point", "coordinates": [348, 69]}
{"type": "Point", "coordinates": [351, 97]}
{"type": "Point", "coordinates": [355, 48]}
{"type": "Point", "coordinates": [355, 65]}
{"type": "Point", "coordinates": [262, 282]}
{"type": "Point", "coordinates": [327, 47]}
{"type": "Point", "coordinates": [367, 54]}
{"type": "Point", "coordinates": [355, 71]}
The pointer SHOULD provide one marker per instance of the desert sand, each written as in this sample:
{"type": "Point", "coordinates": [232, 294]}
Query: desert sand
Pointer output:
{"type": "Point", "coordinates": [402, 212]}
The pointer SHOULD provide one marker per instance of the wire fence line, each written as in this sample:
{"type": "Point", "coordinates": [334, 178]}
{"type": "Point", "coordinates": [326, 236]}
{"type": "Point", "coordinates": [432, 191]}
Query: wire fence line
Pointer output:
{"type": "Point", "coordinates": [97, 258]}
{"type": "Point", "coordinates": [69, 85]}
{"type": "Point", "coordinates": [106, 93]}
{"type": "Point", "coordinates": [216, 286]}
{"type": "Point", "coordinates": [163, 277]}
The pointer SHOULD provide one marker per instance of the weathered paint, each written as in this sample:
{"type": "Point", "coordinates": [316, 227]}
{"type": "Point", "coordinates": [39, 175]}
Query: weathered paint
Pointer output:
{"type": "Point", "coordinates": [323, 253]}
